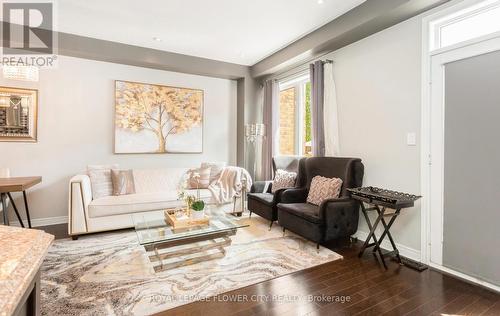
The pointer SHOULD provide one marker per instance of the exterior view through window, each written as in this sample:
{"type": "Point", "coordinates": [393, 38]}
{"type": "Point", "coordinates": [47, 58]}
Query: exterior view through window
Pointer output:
{"type": "Point", "coordinates": [295, 117]}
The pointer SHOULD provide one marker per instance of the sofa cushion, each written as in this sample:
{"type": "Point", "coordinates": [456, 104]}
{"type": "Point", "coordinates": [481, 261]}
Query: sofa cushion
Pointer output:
{"type": "Point", "coordinates": [307, 211]}
{"type": "Point", "coordinates": [100, 180]}
{"type": "Point", "coordinates": [158, 180]}
{"type": "Point", "coordinates": [123, 181]}
{"type": "Point", "coordinates": [139, 202]}
{"type": "Point", "coordinates": [266, 198]}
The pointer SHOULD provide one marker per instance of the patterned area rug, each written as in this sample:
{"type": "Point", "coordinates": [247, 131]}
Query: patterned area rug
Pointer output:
{"type": "Point", "coordinates": [110, 274]}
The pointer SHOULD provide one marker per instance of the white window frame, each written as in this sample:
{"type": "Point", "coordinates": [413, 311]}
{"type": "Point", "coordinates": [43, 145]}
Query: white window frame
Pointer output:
{"type": "Point", "coordinates": [462, 11]}
{"type": "Point", "coordinates": [299, 83]}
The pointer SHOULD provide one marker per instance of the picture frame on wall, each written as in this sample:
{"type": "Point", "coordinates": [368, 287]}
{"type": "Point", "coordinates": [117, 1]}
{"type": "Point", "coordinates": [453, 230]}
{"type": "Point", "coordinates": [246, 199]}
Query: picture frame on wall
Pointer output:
{"type": "Point", "coordinates": [18, 114]}
{"type": "Point", "coordinates": [152, 118]}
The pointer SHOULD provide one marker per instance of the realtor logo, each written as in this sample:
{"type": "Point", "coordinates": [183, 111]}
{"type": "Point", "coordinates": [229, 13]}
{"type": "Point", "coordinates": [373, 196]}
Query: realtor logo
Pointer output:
{"type": "Point", "coordinates": [28, 34]}
{"type": "Point", "coordinates": [28, 28]}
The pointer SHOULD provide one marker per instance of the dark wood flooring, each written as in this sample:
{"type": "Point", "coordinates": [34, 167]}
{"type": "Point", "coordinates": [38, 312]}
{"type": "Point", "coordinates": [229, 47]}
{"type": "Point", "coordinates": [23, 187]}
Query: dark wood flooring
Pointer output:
{"type": "Point", "coordinates": [351, 286]}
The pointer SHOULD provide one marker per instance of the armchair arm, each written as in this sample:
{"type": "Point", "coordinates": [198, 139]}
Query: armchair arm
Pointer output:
{"type": "Point", "coordinates": [80, 196]}
{"type": "Point", "coordinates": [332, 204]}
{"type": "Point", "coordinates": [259, 186]}
{"type": "Point", "coordinates": [340, 216]}
{"type": "Point", "coordinates": [277, 195]}
{"type": "Point", "coordinates": [296, 195]}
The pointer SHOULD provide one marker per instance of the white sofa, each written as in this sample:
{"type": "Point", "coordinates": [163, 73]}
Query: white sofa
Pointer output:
{"type": "Point", "coordinates": [155, 190]}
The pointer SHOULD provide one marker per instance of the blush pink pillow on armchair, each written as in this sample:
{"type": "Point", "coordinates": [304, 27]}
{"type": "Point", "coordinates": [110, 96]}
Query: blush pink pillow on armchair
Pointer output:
{"type": "Point", "coordinates": [323, 188]}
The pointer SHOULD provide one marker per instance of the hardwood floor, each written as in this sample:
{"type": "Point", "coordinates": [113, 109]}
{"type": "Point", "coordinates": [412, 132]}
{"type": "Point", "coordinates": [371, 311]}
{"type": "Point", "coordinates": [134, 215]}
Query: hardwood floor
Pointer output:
{"type": "Point", "coordinates": [351, 286]}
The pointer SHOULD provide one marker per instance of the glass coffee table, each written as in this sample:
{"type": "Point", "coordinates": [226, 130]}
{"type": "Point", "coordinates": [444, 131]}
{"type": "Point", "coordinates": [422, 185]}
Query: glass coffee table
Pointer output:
{"type": "Point", "coordinates": [168, 248]}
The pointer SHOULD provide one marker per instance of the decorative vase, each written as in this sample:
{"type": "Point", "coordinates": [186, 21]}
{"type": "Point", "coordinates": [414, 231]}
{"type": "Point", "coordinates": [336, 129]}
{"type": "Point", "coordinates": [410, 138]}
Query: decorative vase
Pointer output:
{"type": "Point", "coordinates": [197, 214]}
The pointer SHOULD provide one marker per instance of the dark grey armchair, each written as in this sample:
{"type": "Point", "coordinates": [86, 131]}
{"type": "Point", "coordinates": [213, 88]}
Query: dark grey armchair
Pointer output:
{"type": "Point", "coordinates": [333, 218]}
{"type": "Point", "coordinates": [264, 203]}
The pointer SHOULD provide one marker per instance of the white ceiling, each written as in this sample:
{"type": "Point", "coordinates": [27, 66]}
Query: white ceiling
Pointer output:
{"type": "Point", "coordinates": [238, 31]}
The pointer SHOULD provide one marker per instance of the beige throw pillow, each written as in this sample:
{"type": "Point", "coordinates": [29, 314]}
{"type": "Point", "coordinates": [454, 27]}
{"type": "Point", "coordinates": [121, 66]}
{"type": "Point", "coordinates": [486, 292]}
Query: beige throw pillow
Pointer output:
{"type": "Point", "coordinates": [323, 188]}
{"type": "Point", "coordinates": [123, 182]}
{"type": "Point", "coordinates": [283, 179]}
{"type": "Point", "coordinates": [198, 178]}
{"type": "Point", "coordinates": [100, 180]}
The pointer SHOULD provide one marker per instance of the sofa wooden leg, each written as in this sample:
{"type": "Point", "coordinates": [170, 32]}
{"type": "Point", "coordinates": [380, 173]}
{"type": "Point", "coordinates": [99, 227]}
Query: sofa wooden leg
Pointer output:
{"type": "Point", "coordinates": [317, 246]}
{"type": "Point", "coordinates": [250, 215]}
{"type": "Point", "coordinates": [74, 237]}
{"type": "Point", "coordinates": [284, 229]}
{"type": "Point", "coordinates": [271, 225]}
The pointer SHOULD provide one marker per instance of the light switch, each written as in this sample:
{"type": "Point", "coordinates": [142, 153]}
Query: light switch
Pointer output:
{"type": "Point", "coordinates": [411, 139]}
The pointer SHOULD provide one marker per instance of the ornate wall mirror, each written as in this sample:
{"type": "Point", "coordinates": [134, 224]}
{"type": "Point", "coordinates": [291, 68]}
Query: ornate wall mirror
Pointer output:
{"type": "Point", "coordinates": [18, 114]}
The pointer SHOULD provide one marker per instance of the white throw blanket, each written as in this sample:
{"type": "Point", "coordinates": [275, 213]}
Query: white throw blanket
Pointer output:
{"type": "Point", "coordinates": [230, 184]}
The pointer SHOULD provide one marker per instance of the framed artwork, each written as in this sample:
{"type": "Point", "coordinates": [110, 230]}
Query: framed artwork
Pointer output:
{"type": "Point", "coordinates": [18, 114]}
{"type": "Point", "coordinates": [153, 118]}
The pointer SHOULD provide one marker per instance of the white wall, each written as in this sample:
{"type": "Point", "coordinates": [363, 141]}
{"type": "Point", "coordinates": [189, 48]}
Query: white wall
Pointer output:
{"type": "Point", "coordinates": [75, 127]}
{"type": "Point", "coordinates": [379, 98]}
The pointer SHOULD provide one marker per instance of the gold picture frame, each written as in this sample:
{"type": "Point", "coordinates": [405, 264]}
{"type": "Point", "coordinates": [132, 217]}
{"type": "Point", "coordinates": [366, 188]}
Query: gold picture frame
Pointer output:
{"type": "Point", "coordinates": [140, 110]}
{"type": "Point", "coordinates": [18, 114]}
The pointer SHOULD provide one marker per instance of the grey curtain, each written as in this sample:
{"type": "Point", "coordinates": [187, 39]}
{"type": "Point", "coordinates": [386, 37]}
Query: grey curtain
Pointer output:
{"type": "Point", "coordinates": [317, 98]}
{"type": "Point", "coordinates": [270, 105]}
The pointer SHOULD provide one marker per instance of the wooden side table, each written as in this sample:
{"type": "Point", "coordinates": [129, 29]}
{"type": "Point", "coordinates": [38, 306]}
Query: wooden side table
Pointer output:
{"type": "Point", "coordinates": [16, 184]}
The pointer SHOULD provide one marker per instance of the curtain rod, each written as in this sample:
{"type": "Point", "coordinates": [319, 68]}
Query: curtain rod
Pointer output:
{"type": "Point", "coordinates": [303, 68]}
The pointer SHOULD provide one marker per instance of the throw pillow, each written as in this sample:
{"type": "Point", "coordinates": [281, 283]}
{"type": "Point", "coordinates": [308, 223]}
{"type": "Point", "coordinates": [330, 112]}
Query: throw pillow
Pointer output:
{"type": "Point", "coordinates": [215, 169]}
{"type": "Point", "coordinates": [323, 188]}
{"type": "Point", "coordinates": [100, 180]}
{"type": "Point", "coordinates": [198, 178]}
{"type": "Point", "coordinates": [283, 179]}
{"type": "Point", "coordinates": [123, 181]}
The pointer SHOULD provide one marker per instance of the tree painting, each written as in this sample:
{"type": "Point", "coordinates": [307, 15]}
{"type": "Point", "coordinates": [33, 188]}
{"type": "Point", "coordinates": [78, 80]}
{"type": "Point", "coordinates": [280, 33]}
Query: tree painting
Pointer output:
{"type": "Point", "coordinates": [160, 111]}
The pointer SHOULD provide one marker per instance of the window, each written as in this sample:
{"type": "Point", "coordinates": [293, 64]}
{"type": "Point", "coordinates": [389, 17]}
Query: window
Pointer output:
{"type": "Point", "coordinates": [472, 22]}
{"type": "Point", "coordinates": [295, 117]}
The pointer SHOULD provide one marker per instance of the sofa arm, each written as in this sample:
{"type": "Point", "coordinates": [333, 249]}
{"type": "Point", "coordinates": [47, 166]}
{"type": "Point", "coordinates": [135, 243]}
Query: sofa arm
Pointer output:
{"type": "Point", "coordinates": [260, 186]}
{"type": "Point", "coordinates": [296, 195]}
{"type": "Point", "coordinates": [80, 196]}
{"type": "Point", "coordinates": [340, 216]}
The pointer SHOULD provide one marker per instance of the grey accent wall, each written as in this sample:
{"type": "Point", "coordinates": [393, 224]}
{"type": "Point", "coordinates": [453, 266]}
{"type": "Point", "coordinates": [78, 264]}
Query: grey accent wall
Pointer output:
{"type": "Point", "coordinates": [240, 129]}
{"type": "Point", "coordinates": [247, 104]}
{"type": "Point", "coordinates": [471, 238]}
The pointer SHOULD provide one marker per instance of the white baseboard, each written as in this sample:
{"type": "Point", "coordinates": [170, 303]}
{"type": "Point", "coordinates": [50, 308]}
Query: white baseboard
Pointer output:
{"type": "Point", "coordinates": [404, 251]}
{"type": "Point", "coordinates": [415, 255]}
{"type": "Point", "coordinates": [37, 222]}
{"type": "Point", "coordinates": [465, 277]}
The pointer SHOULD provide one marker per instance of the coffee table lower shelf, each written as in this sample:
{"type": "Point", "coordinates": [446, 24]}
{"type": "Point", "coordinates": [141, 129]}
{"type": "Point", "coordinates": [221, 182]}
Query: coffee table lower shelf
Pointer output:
{"type": "Point", "coordinates": [170, 254]}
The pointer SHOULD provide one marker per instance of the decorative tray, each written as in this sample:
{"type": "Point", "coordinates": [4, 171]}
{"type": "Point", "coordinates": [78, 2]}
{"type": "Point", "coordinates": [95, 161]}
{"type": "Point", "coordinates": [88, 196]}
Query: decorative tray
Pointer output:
{"type": "Point", "coordinates": [385, 197]}
{"type": "Point", "coordinates": [184, 221]}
